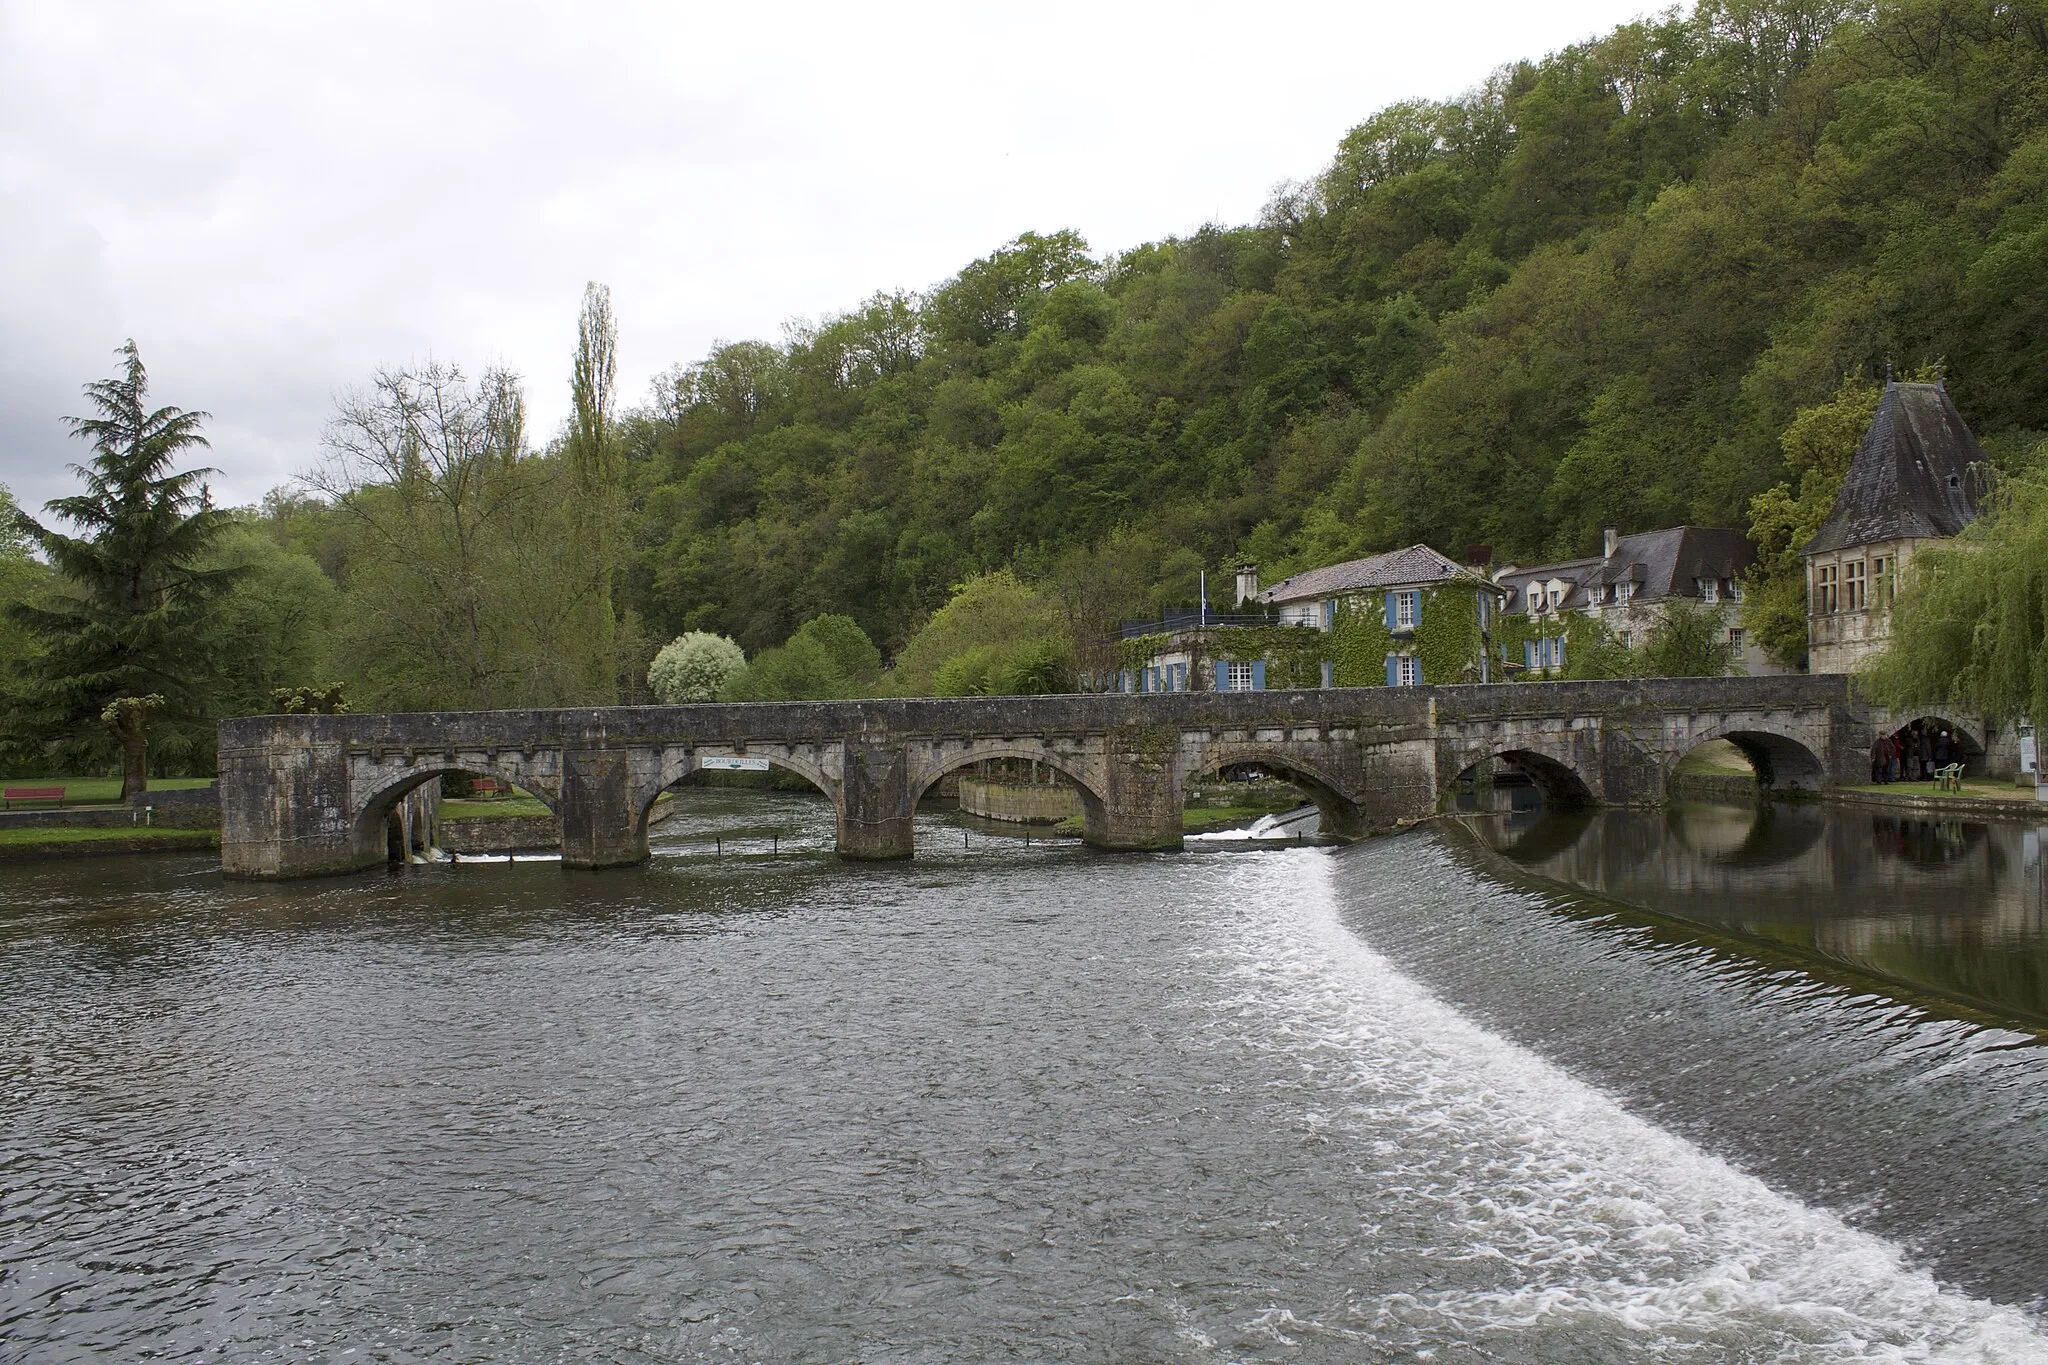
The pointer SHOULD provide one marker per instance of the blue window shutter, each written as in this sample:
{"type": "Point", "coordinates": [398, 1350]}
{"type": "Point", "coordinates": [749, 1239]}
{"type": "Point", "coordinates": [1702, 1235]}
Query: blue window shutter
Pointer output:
{"type": "Point", "coordinates": [1329, 673]}
{"type": "Point", "coordinates": [1330, 614]}
{"type": "Point", "coordinates": [1560, 651]}
{"type": "Point", "coordinates": [1417, 611]}
{"type": "Point", "coordinates": [1420, 681]}
{"type": "Point", "coordinates": [1393, 668]}
{"type": "Point", "coordinates": [1222, 676]}
{"type": "Point", "coordinates": [1528, 653]}
{"type": "Point", "coordinates": [1258, 675]}
{"type": "Point", "coordinates": [1388, 603]}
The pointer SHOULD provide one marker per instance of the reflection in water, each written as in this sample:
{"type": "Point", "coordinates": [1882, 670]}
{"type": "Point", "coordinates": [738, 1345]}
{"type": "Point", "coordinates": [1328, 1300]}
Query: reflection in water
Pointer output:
{"type": "Point", "coordinates": [1949, 908]}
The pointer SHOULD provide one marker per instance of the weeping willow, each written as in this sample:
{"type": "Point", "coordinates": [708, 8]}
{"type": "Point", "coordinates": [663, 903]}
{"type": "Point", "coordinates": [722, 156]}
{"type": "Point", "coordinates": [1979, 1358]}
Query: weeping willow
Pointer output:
{"type": "Point", "coordinates": [1970, 626]}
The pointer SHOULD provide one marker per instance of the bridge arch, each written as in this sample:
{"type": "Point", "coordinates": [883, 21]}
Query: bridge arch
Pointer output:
{"type": "Point", "coordinates": [1341, 815]}
{"type": "Point", "coordinates": [679, 768]}
{"type": "Point", "coordinates": [1560, 783]}
{"type": "Point", "coordinates": [1970, 741]}
{"type": "Point", "coordinates": [940, 763]}
{"type": "Point", "coordinates": [1781, 761]}
{"type": "Point", "coordinates": [369, 829]}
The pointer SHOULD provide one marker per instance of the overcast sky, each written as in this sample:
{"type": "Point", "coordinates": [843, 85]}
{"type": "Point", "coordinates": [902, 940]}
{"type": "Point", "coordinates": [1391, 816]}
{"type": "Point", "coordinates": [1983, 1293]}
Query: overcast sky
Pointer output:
{"type": "Point", "coordinates": [274, 198]}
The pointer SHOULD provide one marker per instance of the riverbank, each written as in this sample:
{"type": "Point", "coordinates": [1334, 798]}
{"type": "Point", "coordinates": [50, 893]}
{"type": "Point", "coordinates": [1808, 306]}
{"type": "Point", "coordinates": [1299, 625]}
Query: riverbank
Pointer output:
{"type": "Point", "coordinates": [65, 841]}
{"type": "Point", "coordinates": [1979, 801]}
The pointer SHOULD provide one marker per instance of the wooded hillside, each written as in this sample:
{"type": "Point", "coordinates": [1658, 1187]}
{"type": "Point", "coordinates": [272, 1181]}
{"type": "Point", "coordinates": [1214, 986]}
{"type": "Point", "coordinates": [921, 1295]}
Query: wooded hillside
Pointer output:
{"type": "Point", "coordinates": [1596, 290]}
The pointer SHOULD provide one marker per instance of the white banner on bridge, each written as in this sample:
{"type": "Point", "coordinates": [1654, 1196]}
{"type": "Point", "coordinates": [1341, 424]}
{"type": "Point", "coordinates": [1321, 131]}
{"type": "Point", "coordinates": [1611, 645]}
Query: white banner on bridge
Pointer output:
{"type": "Point", "coordinates": [734, 765]}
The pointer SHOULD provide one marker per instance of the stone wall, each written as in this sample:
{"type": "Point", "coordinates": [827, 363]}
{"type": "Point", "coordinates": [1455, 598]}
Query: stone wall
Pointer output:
{"type": "Point", "coordinates": [1019, 803]}
{"type": "Point", "coordinates": [509, 834]}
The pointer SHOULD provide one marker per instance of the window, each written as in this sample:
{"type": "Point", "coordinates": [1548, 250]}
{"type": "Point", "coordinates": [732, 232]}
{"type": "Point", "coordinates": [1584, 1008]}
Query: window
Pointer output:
{"type": "Point", "coordinates": [1734, 590]}
{"type": "Point", "coordinates": [1628, 590]}
{"type": "Point", "coordinates": [1626, 640]}
{"type": "Point", "coordinates": [1735, 640]}
{"type": "Point", "coordinates": [1557, 597]}
{"type": "Point", "coordinates": [1710, 591]}
{"type": "Point", "coordinates": [1884, 577]}
{"type": "Point", "coordinates": [1404, 610]}
{"type": "Point", "coordinates": [1410, 672]}
{"type": "Point", "coordinates": [1240, 677]}
{"type": "Point", "coordinates": [1827, 589]}
{"type": "Point", "coordinates": [1852, 586]}
{"type": "Point", "coordinates": [1557, 652]}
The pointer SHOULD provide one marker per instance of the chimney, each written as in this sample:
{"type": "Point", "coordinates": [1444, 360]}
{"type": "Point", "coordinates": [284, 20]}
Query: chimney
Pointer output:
{"type": "Point", "coordinates": [1610, 541]}
{"type": "Point", "coordinates": [1247, 583]}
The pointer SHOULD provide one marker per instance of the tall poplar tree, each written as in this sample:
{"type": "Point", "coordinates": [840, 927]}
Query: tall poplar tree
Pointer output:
{"type": "Point", "coordinates": [595, 467]}
{"type": "Point", "coordinates": [127, 622]}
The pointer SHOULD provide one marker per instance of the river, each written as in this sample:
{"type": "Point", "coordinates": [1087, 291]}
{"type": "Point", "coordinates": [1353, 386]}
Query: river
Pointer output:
{"type": "Point", "coordinates": [1536, 1088]}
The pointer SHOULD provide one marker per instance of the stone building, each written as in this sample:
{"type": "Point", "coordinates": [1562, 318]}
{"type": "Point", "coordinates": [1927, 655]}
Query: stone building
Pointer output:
{"type": "Point", "coordinates": [1628, 587]}
{"type": "Point", "coordinates": [1917, 476]}
{"type": "Point", "coordinates": [1294, 634]}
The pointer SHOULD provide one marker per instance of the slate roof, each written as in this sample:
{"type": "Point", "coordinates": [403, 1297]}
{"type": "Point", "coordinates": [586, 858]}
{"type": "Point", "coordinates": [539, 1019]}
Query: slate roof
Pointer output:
{"type": "Point", "coordinates": [1666, 563]}
{"type": "Point", "coordinates": [1917, 472]}
{"type": "Point", "coordinates": [1418, 565]}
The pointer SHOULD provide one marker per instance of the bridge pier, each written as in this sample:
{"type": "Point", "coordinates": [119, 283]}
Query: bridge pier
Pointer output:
{"type": "Point", "coordinates": [1139, 809]}
{"type": "Point", "coordinates": [875, 804]}
{"type": "Point", "coordinates": [286, 809]}
{"type": "Point", "coordinates": [603, 807]}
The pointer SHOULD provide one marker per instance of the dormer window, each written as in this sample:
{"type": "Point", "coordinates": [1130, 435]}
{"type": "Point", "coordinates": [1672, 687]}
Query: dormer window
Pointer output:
{"type": "Point", "coordinates": [1710, 590]}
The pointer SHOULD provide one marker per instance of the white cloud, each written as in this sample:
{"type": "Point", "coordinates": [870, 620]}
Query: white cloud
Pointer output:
{"type": "Point", "coordinates": [274, 198]}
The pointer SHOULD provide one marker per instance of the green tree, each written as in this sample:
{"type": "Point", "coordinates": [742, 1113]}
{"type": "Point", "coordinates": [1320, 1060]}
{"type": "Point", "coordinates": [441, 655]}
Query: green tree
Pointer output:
{"type": "Point", "coordinates": [1969, 627]}
{"type": "Point", "coordinates": [132, 613]}
{"type": "Point", "coordinates": [1690, 640]}
{"type": "Point", "coordinates": [596, 476]}
{"type": "Point", "coordinates": [993, 624]}
{"type": "Point", "coordinates": [828, 657]}
{"type": "Point", "coordinates": [462, 586]}
{"type": "Point", "coordinates": [273, 626]}
{"type": "Point", "coordinates": [1819, 445]}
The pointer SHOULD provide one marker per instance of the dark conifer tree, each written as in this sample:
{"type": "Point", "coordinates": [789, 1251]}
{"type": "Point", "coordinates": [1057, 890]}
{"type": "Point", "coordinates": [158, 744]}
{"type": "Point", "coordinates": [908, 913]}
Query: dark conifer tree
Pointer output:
{"type": "Point", "coordinates": [126, 619]}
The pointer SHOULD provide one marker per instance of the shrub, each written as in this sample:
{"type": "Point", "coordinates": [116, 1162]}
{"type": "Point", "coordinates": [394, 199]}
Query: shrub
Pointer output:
{"type": "Point", "coordinates": [695, 667]}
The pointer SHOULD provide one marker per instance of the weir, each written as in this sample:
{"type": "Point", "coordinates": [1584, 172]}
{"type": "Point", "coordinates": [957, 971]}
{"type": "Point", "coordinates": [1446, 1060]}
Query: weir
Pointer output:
{"type": "Point", "coordinates": [312, 795]}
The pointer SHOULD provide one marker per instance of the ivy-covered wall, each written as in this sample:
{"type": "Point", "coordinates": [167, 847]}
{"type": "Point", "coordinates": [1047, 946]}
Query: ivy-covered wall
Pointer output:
{"type": "Point", "coordinates": [1591, 650]}
{"type": "Point", "coordinates": [1446, 642]}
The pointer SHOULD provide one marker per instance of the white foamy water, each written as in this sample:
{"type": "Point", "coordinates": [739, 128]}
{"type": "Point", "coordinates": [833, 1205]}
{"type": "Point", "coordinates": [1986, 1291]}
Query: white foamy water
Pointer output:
{"type": "Point", "coordinates": [1557, 1213]}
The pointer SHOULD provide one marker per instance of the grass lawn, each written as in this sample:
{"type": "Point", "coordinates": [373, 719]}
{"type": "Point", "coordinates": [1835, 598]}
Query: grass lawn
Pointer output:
{"type": "Point", "coordinates": [504, 808]}
{"type": "Point", "coordinates": [1974, 789]}
{"type": "Point", "coordinates": [81, 791]}
{"type": "Point", "coordinates": [33, 836]}
{"type": "Point", "coordinates": [1716, 758]}
{"type": "Point", "coordinates": [1195, 819]}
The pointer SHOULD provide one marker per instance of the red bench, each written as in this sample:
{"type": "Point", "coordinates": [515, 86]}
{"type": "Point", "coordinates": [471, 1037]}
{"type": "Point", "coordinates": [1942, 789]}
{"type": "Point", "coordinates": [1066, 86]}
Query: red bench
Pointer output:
{"type": "Point", "coordinates": [10, 795]}
{"type": "Point", "coordinates": [485, 786]}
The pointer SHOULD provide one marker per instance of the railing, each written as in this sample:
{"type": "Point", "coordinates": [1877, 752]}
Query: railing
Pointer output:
{"type": "Point", "coordinates": [1193, 618]}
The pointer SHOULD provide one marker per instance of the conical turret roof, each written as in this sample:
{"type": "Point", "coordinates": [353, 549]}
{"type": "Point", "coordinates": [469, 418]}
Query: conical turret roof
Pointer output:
{"type": "Point", "coordinates": [1917, 473]}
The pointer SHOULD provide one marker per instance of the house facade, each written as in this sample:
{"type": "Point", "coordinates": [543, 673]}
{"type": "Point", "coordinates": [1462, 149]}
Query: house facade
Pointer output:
{"type": "Point", "coordinates": [1917, 476]}
{"type": "Point", "coordinates": [1627, 588]}
{"type": "Point", "coordinates": [1400, 619]}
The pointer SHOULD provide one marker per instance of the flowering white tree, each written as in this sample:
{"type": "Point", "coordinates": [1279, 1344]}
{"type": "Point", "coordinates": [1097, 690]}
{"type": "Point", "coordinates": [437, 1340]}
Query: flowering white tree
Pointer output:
{"type": "Point", "coordinates": [694, 666]}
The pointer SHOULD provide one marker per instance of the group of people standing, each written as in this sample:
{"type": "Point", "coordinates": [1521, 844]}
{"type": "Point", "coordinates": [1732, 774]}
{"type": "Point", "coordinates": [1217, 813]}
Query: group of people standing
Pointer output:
{"type": "Point", "coordinates": [1913, 754]}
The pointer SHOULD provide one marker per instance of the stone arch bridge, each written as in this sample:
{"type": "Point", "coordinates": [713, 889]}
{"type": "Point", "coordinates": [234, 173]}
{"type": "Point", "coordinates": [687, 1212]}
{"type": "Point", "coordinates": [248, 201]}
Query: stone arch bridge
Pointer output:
{"type": "Point", "coordinates": [310, 795]}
